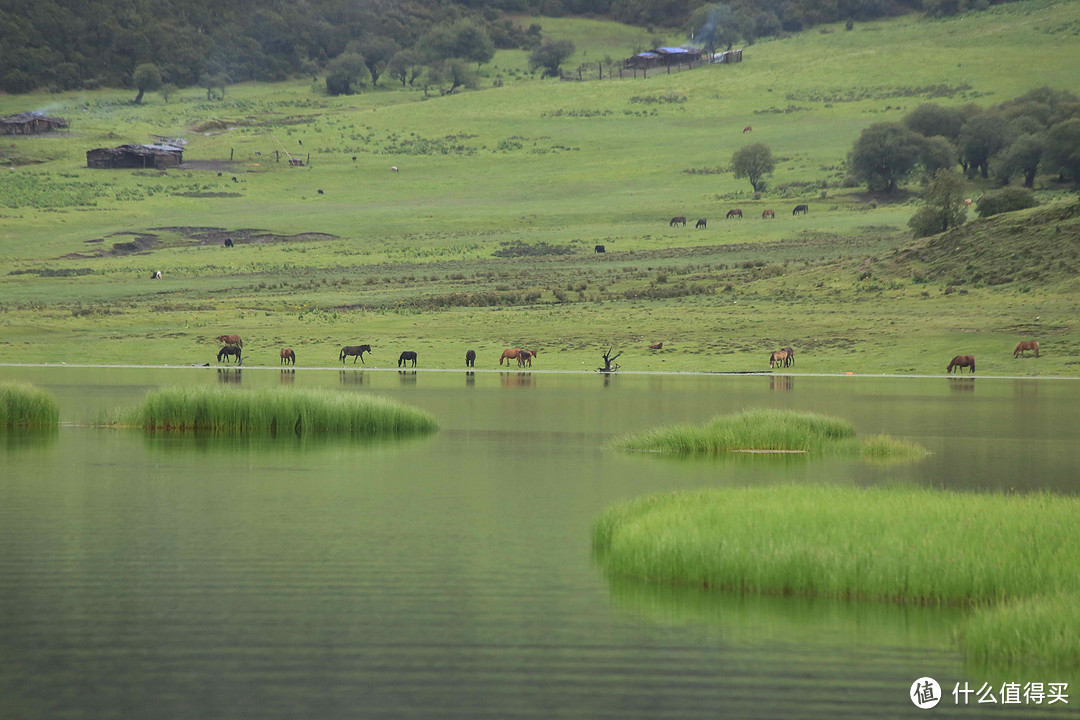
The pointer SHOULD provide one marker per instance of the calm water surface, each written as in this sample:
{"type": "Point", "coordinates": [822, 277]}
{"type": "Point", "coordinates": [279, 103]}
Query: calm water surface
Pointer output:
{"type": "Point", "coordinates": [450, 576]}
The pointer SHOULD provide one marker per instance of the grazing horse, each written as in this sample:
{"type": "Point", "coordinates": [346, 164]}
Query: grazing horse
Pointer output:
{"type": "Point", "coordinates": [599, 248]}
{"type": "Point", "coordinates": [228, 242]}
{"type": "Point", "coordinates": [1024, 346]}
{"type": "Point", "coordinates": [700, 223]}
{"type": "Point", "coordinates": [790, 360]}
{"type": "Point", "coordinates": [513, 354]}
{"type": "Point", "coordinates": [962, 361]}
{"type": "Point", "coordinates": [288, 357]}
{"type": "Point", "coordinates": [231, 340]}
{"type": "Point", "coordinates": [228, 350]}
{"type": "Point", "coordinates": [156, 275]}
{"type": "Point", "coordinates": [525, 358]}
{"type": "Point", "coordinates": [357, 351]}
{"type": "Point", "coordinates": [677, 221]}
{"type": "Point", "coordinates": [801, 209]}
{"type": "Point", "coordinates": [768, 214]}
{"type": "Point", "coordinates": [734, 213]}
{"type": "Point", "coordinates": [470, 358]}
{"type": "Point", "coordinates": [747, 129]}
{"type": "Point", "coordinates": [406, 357]}
{"type": "Point", "coordinates": [657, 346]}
{"type": "Point", "coordinates": [778, 358]}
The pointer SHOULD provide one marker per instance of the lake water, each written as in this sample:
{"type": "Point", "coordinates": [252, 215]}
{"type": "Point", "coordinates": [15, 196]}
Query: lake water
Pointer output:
{"type": "Point", "coordinates": [451, 576]}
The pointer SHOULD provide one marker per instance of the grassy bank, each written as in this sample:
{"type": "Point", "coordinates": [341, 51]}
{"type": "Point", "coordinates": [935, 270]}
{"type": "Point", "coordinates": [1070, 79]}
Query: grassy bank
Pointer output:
{"type": "Point", "coordinates": [1012, 558]}
{"type": "Point", "coordinates": [24, 406]}
{"type": "Point", "coordinates": [765, 430]}
{"type": "Point", "coordinates": [277, 411]}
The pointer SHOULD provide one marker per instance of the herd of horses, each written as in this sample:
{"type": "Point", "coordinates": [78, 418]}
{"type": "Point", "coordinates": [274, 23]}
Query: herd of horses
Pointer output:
{"type": "Point", "coordinates": [232, 347]}
{"type": "Point", "coordinates": [735, 213]}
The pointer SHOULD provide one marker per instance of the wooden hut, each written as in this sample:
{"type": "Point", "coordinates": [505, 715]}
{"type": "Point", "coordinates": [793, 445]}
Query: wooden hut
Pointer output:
{"type": "Point", "coordinates": [30, 123]}
{"type": "Point", "coordinates": [663, 57]}
{"type": "Point", "coordinates": [158, 157]}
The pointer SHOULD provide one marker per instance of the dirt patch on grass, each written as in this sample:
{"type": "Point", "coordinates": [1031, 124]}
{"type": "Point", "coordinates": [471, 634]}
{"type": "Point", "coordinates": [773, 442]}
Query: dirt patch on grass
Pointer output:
{"type": "Point", "coordinates": [218, 236]}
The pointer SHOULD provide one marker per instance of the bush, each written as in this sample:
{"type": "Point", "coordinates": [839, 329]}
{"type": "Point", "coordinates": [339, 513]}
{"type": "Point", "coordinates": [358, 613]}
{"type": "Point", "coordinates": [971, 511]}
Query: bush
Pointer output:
{"type": "Point", "coordinates": [1005, 200]}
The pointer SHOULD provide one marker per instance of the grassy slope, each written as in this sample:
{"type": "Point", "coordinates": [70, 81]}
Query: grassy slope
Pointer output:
{"type": "Point", "coordinates": [570, 164]}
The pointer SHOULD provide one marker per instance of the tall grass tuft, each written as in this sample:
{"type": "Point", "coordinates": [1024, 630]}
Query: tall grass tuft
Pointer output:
{"type": "Point", "coordinates": [24, 406]}
{"type": "Point", "coordinates": [768, 430]}
{"type": "Point", "coordinates": [1008, 556]}
{"type": "Point", "coordinates": [279, 411]}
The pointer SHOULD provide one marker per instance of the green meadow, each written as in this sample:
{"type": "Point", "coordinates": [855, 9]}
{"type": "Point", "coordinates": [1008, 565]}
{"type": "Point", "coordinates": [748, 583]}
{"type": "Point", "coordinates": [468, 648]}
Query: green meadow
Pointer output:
{"type": "Point", "coordinates": [1009, 559]}
{"type": "Point", "coordinates": [484, 236]}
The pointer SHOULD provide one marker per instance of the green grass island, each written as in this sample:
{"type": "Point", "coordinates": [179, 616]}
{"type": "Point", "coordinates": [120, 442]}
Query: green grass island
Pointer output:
{"type": "Point", "coordinates": [23, 405]}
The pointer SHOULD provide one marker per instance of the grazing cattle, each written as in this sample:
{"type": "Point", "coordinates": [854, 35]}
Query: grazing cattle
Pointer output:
{"type": "Point", "coordinates": [657, 346]}
{"type": "Point", "coordinates": [228, 242]}
{"type": "Point", "coordinates": [470, 358]}
{"type": "Point", "coordinates": [767, 214]}
{"type": "Point", "coordinates": [790, 356]}
{"type": "Point", "coordinates": [962, 361]}
{"type": "Point", "coordinates": [288, 357]}
{"type": "Point", "coordinates": [524, 358]}
{"type": "Point", "coordinates": [1024, 346]}
{"type": "Point", "coordinates": [677, 221]}
{"type": "Point", "coordinates": [394, 168]}
{"type": "Point", "coordinates": [356, 351]}
{"type": "Point", "coordinates": [321, 192]}
{"type": "Point", "coordinates": [406, 357]}
{"type": "Point", "coordinates": [231, 340]}
{"type": "Point", "coordinates": [801, 209]}
{"type": "Point", "coordinates": [700, 223]}
{"type": "Point", "coordinates": [734, 213]}
{"type": "Point", "coordinates": [747, 129]}
{"type": "Point", "coordinates": [354, 158]}
{"type": "Point", "coordinates": [229, 350]}
{"type": "Point", "coordinates": [599, 249]}
{"type": "Point", "coordinates": [513, 353]}
{"type": "Point", "coordinates": [156, 275]}
{"type": "Point", "coordinates": [778, 358]}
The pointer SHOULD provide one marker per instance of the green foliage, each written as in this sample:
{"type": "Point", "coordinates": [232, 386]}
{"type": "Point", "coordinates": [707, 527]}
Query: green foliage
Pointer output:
{"type": "Point", "coordinates": [982, 137]}
{"type": "Point", "coordinates": [753, 162]}
{"type": "Point", "coordinates": [23, 189]}
{"type": "Point", "coordinates": [146, 78]}
{"type": "Point", "coordinates": [1005, 200]}
{"type": "Point", "coordinates": [1063, 148]}
{"type": "Point", "coordinates": [943, 205]}
{"type": "Point", "coordinates": [884, 155]}
{"type": "Point", "coordinates": [931, 119]}
{"type": "Point", "coordinates": [550, 55]}
{"type": "Point", "coordinates": [894, 544]}
{"type": "Point", "coordinates": [346, 74]}
{"type": "Point", "coordinates": [24, 406]}
{"type": "Point", "coordinates": [274, 411]}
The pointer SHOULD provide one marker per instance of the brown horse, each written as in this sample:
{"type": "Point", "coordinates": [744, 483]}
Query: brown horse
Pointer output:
{"type": "Point", "coordinates": [734, 213]}
{"type": "Point", "coordinates": [747, 129]}
{"type": "Point", "coordinates": [1024, 346]}
{"type": "Point", "coordinates": [657, 346]}
{"type": "Point", "coordinates": [767, 214]}
{"type": "Point", "coordinates": [525, 358]}
{"type": "Point", "coordinates": [779, 357]}
{"type": "Point", "coordinates": [962, 361]}
{"type": "Point", "coordinates": [357, 351]}
{"type": "Point", "coordinates": [231, 340]}
{"type": "Point", "coordinates": [677, 221]}
{"type": "Point", "coordinates": [228, 350]}
{"type": "Point", "coordinates": [288, 357]}
{"type": "Point", "coordinates": [513, 353]}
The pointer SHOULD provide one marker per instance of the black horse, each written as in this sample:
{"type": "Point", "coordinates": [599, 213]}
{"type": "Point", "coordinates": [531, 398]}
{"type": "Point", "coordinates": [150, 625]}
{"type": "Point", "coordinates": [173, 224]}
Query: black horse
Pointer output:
{"type": "Point", "coordinates": [406, 357]}
{"type": "Point", "coordinates": [357, 351]}
{"type": "Point", "coordinates": [790, 356]}
{"type": "Point", "coordinates": [801, 209]}
{"type": "Point", "coordinates": [470, 358]}
{"type": "Point", "coordinates": [228, 350]}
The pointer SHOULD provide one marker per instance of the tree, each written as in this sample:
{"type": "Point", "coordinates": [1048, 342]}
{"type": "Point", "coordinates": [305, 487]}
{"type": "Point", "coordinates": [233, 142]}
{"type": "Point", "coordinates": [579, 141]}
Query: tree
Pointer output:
{"type": "Point", "coordinates": [930, 119]}
{"type": "Point", "coordinates": [377, 52]}
{"type": "Point", "coordinates": [713, 25]}
{"type": "Point", "coordinates": [1063, 148]}
{"type": "Point", "coordinates": [884, 155]}
{"type": "Point", "coordinates": [345, 73]}
{"type": "Point", "coordinates": [937, 153]}
{"type": "Point", "coordinates": [454, 73]}
{"type": "Point", "coordinates": [167, 91]}
{"type": "Point", "coordinates": [753, 162]}
{"type": "Point", "coordinates": [983, 137]}
{"type": "Point", "coordinates": [550, 55]}
{"type": "Point", "coordinates": [405, 66]}
{"type": "Point", "coordinates": [1023, 158]}
{"type": "Point", "coordinates": [943, 205]}
{"type": "Point", "coordinates": [147, 78]}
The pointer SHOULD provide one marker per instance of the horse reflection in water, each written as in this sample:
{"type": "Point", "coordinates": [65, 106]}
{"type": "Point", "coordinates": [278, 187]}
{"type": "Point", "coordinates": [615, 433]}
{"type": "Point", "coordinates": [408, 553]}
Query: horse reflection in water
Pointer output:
{"type": "Point", "coordinates": [781, 383]}
{"type": "Point", "coordinates": [229, 375]}
{"type": "Point", "coordinates": [351, 377]}
{"type": "Point", "coordinates": [961, 384]}
{"type": "Point", "coordinates": [518, 379]}
{"type": "Point", "coordinates": [470, 378]}
{"type": "Point", "coordinates": [288, 376]}
{"type": "Point", "coordinates": [408, 377]}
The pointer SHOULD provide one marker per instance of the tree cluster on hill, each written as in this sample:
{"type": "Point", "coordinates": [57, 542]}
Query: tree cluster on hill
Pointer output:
{"type": "Point", "coordinates": [72, 44]}
{"type": "Point", "coordinates": [1036, 132]}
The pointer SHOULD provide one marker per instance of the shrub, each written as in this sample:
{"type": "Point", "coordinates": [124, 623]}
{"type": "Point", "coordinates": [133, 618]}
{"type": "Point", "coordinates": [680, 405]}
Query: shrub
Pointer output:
{"type": "Point", "coordinates": [1005, 200]}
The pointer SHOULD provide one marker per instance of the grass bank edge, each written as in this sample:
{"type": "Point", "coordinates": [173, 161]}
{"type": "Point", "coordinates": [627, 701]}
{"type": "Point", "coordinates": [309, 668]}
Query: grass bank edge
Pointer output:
{"type": "Point", "coordinates": [23, 405]}
{"type": "Point", "coordinates": [1010, 558]}
{"type": "Point", "coordinates": [275, 411]}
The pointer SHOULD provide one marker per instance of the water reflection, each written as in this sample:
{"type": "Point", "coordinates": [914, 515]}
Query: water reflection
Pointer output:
{"type": "Point", "coordinates": [518, 379]}
{"type": "Point", "coordinates": [288, 377]}
{"type": "Point", "coordinates": [407, 377]}
{"type": "Point", "coordinates": [286, 443]}
{"type": "Point", "coordinates": [351, 377]}
{"type": "Point", "coordinates": [470, 378]}
{"type": "Point", "coordinates": [15, 439]}
{"type": "Point", "coordinates": [781, 383]}
{"type": "Point", "coordinates": [962, 384]}
{"type": "Point", "coordinates": [229, 376]}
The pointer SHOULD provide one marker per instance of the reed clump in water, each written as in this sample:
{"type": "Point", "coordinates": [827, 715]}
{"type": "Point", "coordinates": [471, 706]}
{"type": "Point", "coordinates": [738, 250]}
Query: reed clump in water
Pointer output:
{"type": "Point", "coordinates": [24, 406]}
{"type": "Point", "coordinates": [279, 411]}
{"type": "Point", "coordinates": [1014, 559]}
{"type": "Point", "coordinates": [769, 431]}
